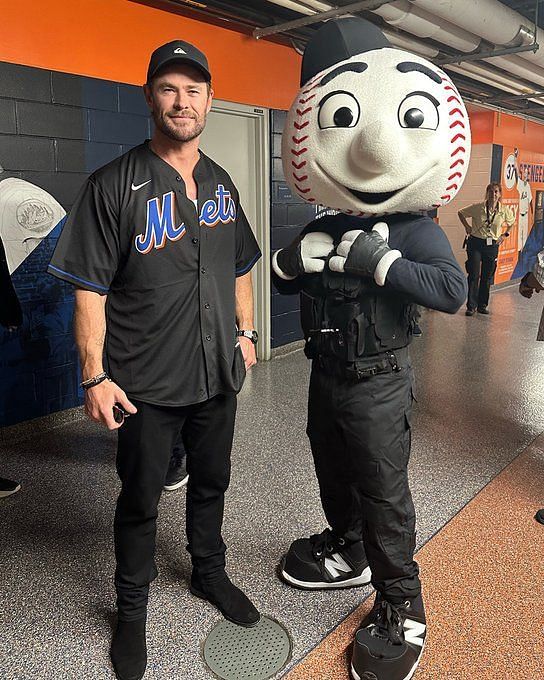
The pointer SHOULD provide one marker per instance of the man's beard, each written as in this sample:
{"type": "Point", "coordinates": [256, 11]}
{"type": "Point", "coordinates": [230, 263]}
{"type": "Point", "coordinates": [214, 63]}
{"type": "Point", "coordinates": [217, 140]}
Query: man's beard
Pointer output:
{"type": "Point", "coordinates": [168, 128]}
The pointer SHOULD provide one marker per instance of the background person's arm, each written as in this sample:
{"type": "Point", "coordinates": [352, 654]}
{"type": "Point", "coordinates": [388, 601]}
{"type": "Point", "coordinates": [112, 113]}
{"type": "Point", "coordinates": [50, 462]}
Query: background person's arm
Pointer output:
{"type": "Point", "coordinates": [244, 316]}
{"type": "Point", "coordinates": [90, 333]}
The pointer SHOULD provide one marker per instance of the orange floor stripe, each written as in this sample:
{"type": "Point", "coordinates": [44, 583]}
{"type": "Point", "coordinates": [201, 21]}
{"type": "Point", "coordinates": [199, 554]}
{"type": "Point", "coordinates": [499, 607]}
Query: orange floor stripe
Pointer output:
{"type": "Point", "coordinates": [483, 578]}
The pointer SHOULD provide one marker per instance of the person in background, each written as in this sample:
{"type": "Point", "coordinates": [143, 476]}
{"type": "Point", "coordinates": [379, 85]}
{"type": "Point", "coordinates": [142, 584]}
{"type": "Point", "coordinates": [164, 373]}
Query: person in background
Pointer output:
{"type": "Point", "coordinates": [11, 317]}
{"type": "Point", "coordinates": [534, 282]}
{"type": "Point", "coordinates": [177, 475]}
{"type": "Point", "coordinates": [484, 236]}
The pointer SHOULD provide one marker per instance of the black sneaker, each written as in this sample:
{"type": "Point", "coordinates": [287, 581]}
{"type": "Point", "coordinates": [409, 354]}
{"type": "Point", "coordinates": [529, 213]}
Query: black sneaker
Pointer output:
{"type": "Point", "coordinates": [540, 516]}
{"type": "Point", "coordinates": [7, 487]}
{"type": "Point", "coordinates": [325, 561]}
{"type": "Point", "coordinates": [176, 476]}
{"type": "Point", "coordinates": [390, 641]}
{"type": "Point", "coordinates": [470, 312]}
{"type": "Point", "coordinates": [483, 310]}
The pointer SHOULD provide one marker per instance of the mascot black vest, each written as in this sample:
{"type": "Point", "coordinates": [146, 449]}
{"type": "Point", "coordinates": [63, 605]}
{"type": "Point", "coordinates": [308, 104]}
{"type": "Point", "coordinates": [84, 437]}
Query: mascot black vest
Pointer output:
{"type": "Point", "coordinates": [347, 317]}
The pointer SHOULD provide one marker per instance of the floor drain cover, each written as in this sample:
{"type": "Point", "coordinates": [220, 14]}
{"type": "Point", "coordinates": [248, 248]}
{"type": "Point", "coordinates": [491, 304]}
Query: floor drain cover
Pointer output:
{"type": "Point", "coordinates": [236, 653]}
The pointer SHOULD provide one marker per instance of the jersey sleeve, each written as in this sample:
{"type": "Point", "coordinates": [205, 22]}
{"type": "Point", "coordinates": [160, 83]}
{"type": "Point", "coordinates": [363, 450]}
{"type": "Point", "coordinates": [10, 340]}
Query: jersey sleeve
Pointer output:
{"type": "Point", "coordinates": [470, 210]}
{"type": "Point", "coordinates": [87, 253]}
{"type": "Point", "coordinates": [428, 273]}
{"type": "Point", "coordinates": [247, 248]}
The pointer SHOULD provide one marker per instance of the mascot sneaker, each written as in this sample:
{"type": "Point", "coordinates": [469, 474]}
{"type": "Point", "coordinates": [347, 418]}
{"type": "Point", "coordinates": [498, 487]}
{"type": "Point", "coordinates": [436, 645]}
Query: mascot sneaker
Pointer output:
{"type": "Point", "coordinates": [325, 561]}
{"type": "Point", "coordinates": [389, 643]}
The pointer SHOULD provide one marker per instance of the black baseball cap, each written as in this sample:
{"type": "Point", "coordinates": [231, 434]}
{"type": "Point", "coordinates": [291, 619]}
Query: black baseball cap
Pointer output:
{"type": "Point", "coordinates": [337, 41]}
{"type": "Point", "coordinates": [178, 51]}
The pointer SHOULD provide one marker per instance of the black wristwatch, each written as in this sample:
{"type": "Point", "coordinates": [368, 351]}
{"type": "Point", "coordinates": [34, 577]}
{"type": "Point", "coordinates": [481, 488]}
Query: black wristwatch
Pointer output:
{"type": "Point", "coordinates": [250, 335]}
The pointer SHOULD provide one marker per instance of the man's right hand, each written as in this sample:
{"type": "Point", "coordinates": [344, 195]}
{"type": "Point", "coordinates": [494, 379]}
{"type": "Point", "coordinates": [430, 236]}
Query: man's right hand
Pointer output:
{"type": "Point", "coordinates": [529, 285]}
{"type": "Point", "coordinates": [100, 400]}
{"type": "Point", "coordinates": [303, 256]}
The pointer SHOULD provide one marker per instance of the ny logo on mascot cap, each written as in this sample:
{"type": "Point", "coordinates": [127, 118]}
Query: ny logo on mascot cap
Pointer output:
{"type": "Point", "coordinates": [374, 130]}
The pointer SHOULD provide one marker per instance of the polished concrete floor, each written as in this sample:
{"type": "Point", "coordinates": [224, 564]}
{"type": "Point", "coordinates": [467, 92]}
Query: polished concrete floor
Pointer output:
{"type": "Point", "coordinates": [479, 405]}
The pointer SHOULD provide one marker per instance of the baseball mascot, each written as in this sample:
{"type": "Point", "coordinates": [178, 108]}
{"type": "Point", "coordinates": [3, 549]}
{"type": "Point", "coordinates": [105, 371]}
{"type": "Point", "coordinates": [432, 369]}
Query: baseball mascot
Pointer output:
{"type": "Point", "coordinates": [380, 136]}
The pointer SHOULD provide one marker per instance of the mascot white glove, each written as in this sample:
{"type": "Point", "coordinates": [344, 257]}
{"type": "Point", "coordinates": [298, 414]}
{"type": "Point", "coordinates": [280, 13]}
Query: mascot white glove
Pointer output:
{"type": "Point", "coordinates": [365, 253]}
{"type": "Point", "coordinates": [304, 256]}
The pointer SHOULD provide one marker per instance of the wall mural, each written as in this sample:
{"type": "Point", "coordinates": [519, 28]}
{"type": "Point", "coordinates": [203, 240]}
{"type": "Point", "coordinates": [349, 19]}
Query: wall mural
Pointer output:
{"type": "Point", "coordinates": [36, 310]}
{"type": "Point", "coordinates": [523, 191]}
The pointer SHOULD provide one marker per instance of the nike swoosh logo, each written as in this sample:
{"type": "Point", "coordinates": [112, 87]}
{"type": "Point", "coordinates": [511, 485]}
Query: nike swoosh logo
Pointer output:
{"type": "Point", "coordinates": [135, 187]}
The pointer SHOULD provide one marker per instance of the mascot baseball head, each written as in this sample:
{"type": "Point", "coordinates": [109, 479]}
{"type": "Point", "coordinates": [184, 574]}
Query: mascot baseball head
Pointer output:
{"type": "Point", "coordinates": [374, 130]}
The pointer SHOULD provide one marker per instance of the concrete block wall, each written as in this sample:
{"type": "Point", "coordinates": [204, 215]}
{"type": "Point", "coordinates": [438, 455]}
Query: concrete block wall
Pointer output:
{"type": "Point", "coordinates": [472, 191]}
{"type": "Point", "coordinates": [289, 215]}
{"type": "Point", "coordinates": [55, 129]}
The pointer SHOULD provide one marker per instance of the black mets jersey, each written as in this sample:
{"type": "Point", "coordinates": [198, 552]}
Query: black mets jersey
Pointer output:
{"type": "Point", "coordinates": [168, 269]}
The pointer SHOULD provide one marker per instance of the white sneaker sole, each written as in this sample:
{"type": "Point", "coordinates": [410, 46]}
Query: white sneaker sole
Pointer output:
{"type": "Point", "coordinates": [410, 675]}
{"type": "Point", "coordinates": [177, 485]}
{"type": "Point", "coordinates": [5, 494]}
{"type": "Point", "coordinates": [362, 580]}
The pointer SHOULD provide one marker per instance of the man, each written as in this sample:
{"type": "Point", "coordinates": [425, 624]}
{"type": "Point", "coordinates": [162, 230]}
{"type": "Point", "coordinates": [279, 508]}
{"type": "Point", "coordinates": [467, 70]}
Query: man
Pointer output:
{"type": "Point", "coordinates": [534, 282]}
{"type": "Point", "coordinates": [160, 251]}
{"type": "Point", "coordinates": [485, 235]}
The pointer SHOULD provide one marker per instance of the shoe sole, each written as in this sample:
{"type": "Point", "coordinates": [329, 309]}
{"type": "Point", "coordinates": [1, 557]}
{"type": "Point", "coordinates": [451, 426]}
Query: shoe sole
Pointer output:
{"type": "Point", "coordinates": [177, 485]}
{"type": "Point", "coordinates": [362, 580]}
{"type": "Point", "coordinates": [410, 675]}
{"type": "Point", "coordinates": [5, 494]}
{"type": "Point", "coordinates": [202, 596]}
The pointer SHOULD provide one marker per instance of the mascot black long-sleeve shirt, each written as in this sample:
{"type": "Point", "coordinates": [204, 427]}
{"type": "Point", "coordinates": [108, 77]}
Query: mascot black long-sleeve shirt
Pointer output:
{"type": "Point", "coordinates": [427, 274]}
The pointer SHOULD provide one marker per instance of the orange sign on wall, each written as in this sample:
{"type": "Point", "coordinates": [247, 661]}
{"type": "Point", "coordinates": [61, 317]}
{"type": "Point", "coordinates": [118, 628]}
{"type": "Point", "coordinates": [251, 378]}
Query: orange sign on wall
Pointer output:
{"type": "Point", "coordinates": [522, 175]}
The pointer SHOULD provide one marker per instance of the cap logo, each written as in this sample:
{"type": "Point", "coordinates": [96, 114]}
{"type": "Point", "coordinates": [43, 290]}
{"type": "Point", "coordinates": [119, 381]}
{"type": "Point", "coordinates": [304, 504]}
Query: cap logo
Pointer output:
{"type": "Point", "coordinates": [178, 50]}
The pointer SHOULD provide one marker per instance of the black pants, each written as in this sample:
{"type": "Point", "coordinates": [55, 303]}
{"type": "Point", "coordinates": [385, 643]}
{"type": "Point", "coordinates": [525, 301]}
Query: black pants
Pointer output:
{"type": "Point", "coordinates": [360, 437]}
{"type": "Point", "coordinates": [145, 445]}
{"type": "Point", "coordinates": [481, 265]}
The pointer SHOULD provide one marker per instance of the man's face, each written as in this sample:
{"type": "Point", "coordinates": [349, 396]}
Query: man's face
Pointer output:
{"type": "Point", "coordinates": [493, 195]}
{"type": "Point", "coordinates": [179, 99]}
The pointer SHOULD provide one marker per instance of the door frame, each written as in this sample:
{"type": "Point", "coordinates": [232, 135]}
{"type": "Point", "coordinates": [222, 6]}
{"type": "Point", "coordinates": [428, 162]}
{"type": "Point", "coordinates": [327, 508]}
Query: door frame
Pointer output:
{"type": "Point", "coordinates": [260, 273]}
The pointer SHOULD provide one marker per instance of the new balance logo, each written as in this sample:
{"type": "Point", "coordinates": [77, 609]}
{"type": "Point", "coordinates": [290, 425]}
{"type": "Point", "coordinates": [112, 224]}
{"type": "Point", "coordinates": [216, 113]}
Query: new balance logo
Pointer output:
{"type": "Point", "coordinates": [178, 50]}
{"type": "Point", "coordinates": [336, 564]}
{"type": "Point", "coordinates": [414, 632]}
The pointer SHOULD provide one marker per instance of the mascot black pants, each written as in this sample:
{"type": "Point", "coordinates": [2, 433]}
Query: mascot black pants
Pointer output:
{"type": "Point", "coordinates": [146, 440]}
{"type": "Point", "coordinates": [359, 432]}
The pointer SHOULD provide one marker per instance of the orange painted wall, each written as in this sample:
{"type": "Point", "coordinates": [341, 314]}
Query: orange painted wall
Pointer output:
{"type": "Point", "coordinates": [112, 39]}
{"type": "Point", "coordinates": [481, 126]}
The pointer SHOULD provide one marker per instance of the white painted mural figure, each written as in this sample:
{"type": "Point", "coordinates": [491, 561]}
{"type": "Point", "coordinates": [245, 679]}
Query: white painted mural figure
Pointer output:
{"type": "Point", "coordinates": [27, 215]}
{"type": "Point", "coordinates": [382, 136]}
{"type": "Point", "coordinates": [525, 204]}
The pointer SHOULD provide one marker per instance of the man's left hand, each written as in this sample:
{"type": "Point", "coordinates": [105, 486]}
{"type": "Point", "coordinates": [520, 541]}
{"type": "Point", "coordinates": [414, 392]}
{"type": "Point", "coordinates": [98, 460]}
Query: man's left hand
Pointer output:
{"type": "Point", "coordinates": [248, 352]}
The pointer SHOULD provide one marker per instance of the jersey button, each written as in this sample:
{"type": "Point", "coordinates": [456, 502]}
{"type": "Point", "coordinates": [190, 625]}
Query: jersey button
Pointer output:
{"type": "Point", "coordinates": [208, 338]}
{"type": "Point", "coordinates": [207, 305]}
{"type": "Point", "coordinates": [203, 270]}
{"type": "Point", "coordinates": [194, 240]}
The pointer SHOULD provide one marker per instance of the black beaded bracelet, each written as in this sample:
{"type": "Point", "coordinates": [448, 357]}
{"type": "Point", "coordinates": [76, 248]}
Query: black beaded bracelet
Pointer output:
{"type": "Point", "coordinates": [91, 382]}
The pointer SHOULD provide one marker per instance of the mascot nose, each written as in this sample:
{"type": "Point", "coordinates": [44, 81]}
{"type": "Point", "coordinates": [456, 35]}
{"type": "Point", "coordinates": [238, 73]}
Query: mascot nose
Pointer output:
{"type": "Point", "coordinates": [377, 148]}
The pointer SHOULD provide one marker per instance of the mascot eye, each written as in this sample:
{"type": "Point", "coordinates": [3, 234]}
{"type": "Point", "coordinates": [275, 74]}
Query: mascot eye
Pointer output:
{"type": "Point", "coordinates": [338, 110]}
{"type": "Point", "coordinates": [419, 110]}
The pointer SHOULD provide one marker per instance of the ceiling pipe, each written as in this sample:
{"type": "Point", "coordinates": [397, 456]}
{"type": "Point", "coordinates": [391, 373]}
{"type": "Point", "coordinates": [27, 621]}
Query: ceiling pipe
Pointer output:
{"type": "Point", "coordinates": [425, 25]}
{"type": "Point", "coordinates": [405, 42]}
{"type": "Point", "coordinates": [497, 23]}
{"type": "Point", "coordinates": [520, 67]}
{"type": "Point", "coordinates": [490, 77]}
{"type": "Point", "coordinates": [295, 6]}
